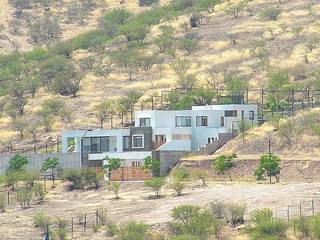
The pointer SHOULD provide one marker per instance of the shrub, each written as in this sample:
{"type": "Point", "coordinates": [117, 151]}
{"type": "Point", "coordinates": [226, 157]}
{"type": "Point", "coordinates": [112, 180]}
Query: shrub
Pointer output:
{"type": "Point", "coordinates": [265, 226]}
{"type": "Point", "coordinates": [74, 176]}
{"type": "Point", "coordinates": [41, 220]}
{"type": "Point", "coordinates": [236, 213]}
{"type": "Point", "coordinates": [17, 163]}
{"type": "Point", "coordinates": [83, 178]}
{"type": "Point", "coordinates": [133, 231]}
{"type": "Point", "coordinates": [200, 174]}
{"type": "Point", "coordinates": [271, 13]}
{"type": "Point", "coordinates": [177, 185]}
{"type": "Point", "coordinates": [102, 216]}
{"type": "Point", "coordinates": [219, 209]}
{"type": "Point", "coordinates": [39, 191]}
{"type": "Point", "coordinates": [115, 186]}
{"type": "Point", "coordinates": [153, 165]}
{"type": "Point", "coordinates": [24, 197]}
{"type": "Point", "coordinates": [147, 2]}
{"type": "Point", "coordinates": [156, 184]}
{"type": "Point", "coordinates": [3, 202]}
{"type": "Point", "coordinates": [181, 173]}
{"type": "Point", "coordinates": [112, 229]}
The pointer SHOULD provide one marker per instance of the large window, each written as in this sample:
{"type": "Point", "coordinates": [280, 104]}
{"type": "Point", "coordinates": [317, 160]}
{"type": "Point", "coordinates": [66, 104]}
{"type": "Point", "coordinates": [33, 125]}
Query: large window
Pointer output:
{"type": "Point", "coordinates": [251, 115]}
{"type": "Point", "coordinates": [137, 141]}
{"type": "Point", "coordinates": [202, 121]}
{"type": "Point", "coordinates": [181, 137]}
{"type": "Point", "coordinates": [222, 121]}
{"type": "Point", "coordinates": [183, 121]}
{"type": "Point", "coordinates": [230, 113]}
{"type": "Point", "coordinates": [126, 143]}
{"type": "Point", "coordinates": [144, 122]}
{"type": "Point", "coordinates": [98, 144]}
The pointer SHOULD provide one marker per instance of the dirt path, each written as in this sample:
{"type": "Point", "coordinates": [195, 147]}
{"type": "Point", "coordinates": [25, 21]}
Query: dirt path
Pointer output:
{"type": "Point", "coordinates": [134, 204]}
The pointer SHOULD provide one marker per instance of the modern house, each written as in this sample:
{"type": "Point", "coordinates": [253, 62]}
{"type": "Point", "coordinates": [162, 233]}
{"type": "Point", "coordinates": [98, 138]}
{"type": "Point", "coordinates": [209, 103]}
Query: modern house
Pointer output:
{"type": "Point", "coordinates": [163, 134]}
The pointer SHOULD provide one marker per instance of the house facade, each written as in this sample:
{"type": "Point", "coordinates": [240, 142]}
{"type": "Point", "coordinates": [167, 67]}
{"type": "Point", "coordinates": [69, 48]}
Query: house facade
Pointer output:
{"type": "Point", "coordinates": [164, 131]}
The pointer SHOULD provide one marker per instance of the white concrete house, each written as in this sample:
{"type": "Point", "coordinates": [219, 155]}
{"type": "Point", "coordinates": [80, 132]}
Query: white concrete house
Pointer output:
{"type": "Point", "coordinates": [203, 128]}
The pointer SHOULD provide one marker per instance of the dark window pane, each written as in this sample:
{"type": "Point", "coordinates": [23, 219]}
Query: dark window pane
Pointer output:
{"type": "Point", "coordinates": [86, 144]}
{"type": "Point", "coordinates": [95, 144]}
{"type": "Point", "coordinates": [144, 122]}
{"type": "Point", "coordinates": [230, 113]}
{"type": "Point", "coordinates": [105, 144]}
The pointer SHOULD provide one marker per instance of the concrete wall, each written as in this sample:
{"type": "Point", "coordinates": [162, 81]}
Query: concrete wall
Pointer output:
{"type": "Point", "coordinates": [66, 160]}
{"type": "Point", "coordinates": [168, 159]}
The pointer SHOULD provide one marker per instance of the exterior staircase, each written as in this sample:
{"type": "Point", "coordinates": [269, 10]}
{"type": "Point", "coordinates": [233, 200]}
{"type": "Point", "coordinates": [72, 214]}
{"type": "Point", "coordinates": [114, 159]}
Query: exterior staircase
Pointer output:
{"type": "Point", "coordinates": [211, 148]}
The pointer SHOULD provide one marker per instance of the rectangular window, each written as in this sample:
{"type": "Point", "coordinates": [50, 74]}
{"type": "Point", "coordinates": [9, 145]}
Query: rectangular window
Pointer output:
{"type": "Point", "coordinates": [222, 121]}
{"type": "Point", "coordinates": [86, 142]}
{"type": "Point", "coordinates": [135, 164]}
{"type": "Point", "coordinates": [126, 143]}
{"type": "Point", "coordinates": [144, 122]}
{"type": "Point", "coordinates": [137, 141]}
{"type": "Point", "coordinates": [105, 144]}
{"type": "Point", "coordinates": [251, 115]}
{"type": "Point", "coordinates": [202, 121]}
{"type": "Point", "coordinates": [183, 121]}
{"type": "Point", "coordinates": [230, 113]}
{"type": "Point", "coordinates": [95, 144]}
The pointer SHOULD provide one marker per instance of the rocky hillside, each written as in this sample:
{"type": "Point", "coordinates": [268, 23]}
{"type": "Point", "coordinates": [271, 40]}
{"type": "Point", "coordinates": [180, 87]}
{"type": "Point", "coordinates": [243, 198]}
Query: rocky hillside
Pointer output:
{"type": "Point", "coordinates": [143, 50]}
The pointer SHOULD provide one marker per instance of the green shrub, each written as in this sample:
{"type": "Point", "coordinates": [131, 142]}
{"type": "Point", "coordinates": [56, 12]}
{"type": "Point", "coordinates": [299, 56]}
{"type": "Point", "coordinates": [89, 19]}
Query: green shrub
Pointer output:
{"type": "Point", "coordinates": [83, 178]}
{"type": "Point", "coordinates": [177, 185]}
{"type": "Point", "coordinates": [115, 186]}
{"type": "Point", "coordinates": [133, 231]}
{"type": "Point", "coordinates": [24, 197]}
{"type": "Point", "coordinates": [153, 165]}
{"type": "Point", "coordinates": [236, 213]}
{"type": "Point", "coordinates": [200, 174]}
{"type": "Point", "coordinates": [265, 226]}
{"type": "Point", "coordinates": [74, 176]}
{"type": "Point", "coordinates": [219, 209]}
{"type": "Point", "coordinates": [181, 173]}
{"type": "Point", "coordinates": [41, 220]}
{"type": "Point", "coordinates": [271, 13]}
{"type": "Point", "coordinates": [39, 191]}
{"type": "Point", "coordinates": [112, 229]}
{"type": "Point", "coordinates": [156, 184]}
{"type": "Point", "coordinates": [102, 216]}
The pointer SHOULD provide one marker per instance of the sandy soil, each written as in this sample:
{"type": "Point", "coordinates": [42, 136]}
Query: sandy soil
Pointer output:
{"type": "Point", "coordinates": [135, 205]}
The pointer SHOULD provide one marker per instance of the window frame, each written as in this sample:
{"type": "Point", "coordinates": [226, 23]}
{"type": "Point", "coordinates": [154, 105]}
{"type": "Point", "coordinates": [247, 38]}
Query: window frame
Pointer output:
{"type": "Point", "coordinates": [142, 138]}
{"type": "Point", "coordinates": [222, 121]}
{"type": "Point", "coordinates": [201, 121]}
{"type": "Point", "coordinates": [188, 117]}
{"type": "Point", "coordinates": [253, 115]}
{"type": "Point", "coordinates": [234, 113]}
{"type": "Point", "coordinates": [146, 119]}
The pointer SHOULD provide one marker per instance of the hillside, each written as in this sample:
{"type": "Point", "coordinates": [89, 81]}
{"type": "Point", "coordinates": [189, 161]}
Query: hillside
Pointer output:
{"type": "Point", "coordinates": [272, 44]}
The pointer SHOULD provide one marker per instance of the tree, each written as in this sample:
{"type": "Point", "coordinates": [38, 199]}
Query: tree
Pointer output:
{"type": "Point", "coordinates": [17, 163]}
{"type": "Point", "coordinates": [243, 127]}
{"type": "Point", "coordinates": [60, 76]}
{"type": "Point", "coordinates": [269, 164]}
{"type": "Point", "coordinates": [286, 132]}
{"type": "Point", "coordinates": [235, 8]}
{"type": "Point", "coordinates": [102, 110]}
{"type": "Point", "coordinates": [51, 163]}
{"type": "Point", "coordinates": [200, 174]}
{"type": "Point", "coordinates": [111, 164]}
{"type": "Point", "coordinates": [20, 125]}
{"type": "Point", "coordinates": [165, 40]}
{"type": "Point", "coordinates": [224, 163]}
{"type": "Point", "coordinates": [45, 30]}
{"type": "Point", "coordinates": [156, 184]}
{"type": "Point", "coordinates": [153, 165]}
{"type": "Point", "coordinates": [190, 43]}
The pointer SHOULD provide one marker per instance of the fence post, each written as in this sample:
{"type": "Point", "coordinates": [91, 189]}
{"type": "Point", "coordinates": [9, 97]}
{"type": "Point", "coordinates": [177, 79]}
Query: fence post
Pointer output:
{"type": "Point", "coordinates": [300, 209]}
{"type": "Point", "coordinates": [85, 222]}
{"type": "Point", "coordinates": [97, 217]}
{"type": "Point", "coordinates": [288, 214]}
{"type": "Point", "coordinates": [57, 145]}
{"type": "Point", "coordinates": [72, 228]}
{"type": "Point", "coordinates": [312, 207]}
{"type": "Point", "coordinates": [46, 146]}
{"type": "Point", "coordinates": [292, 103]}
{"type": "Point", "coordinates": [8, 197]}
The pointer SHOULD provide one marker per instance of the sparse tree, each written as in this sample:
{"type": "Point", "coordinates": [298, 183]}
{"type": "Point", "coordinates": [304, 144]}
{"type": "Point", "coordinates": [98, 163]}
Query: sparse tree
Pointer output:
{"type": "Point", "coordinates": [235, 8]}
{"type": "Point", "coordinates": [51, 163]}
{"type": "Point", "coordinates": [156, 184]}
{"type": "Point", "coordinates": [271, 13]}
{"type": "Point", "coordinates": [102, 110]}
{"type": "Point", "coordinates": [190, 43]}
{"type": "Point", "coordinates": [224, 163]}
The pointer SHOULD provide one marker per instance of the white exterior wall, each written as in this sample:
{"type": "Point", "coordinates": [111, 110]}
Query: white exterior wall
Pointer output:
{"type": "Point", "coordinates": [164, 122]}
{"type": "Point", "coordinates": [127, 157]}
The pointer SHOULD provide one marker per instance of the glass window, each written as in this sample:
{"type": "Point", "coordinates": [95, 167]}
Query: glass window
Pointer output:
{"type": "Point", "coordinates": [181, 137]}
{"type": "Point", "coordinates": [202, 121]}
{"type": "Point", "coordinates": [126, 143]}
{"type": "Point", "coordinates": [222, 121]}
{"type": "Point", "coordinates": [95, 144]}
{"type": "Point", "coordinates": [105, 144]}
{"type": "Point", "coordinates": [137, 141]}
{"type": "Point", "coordinates": [183, 121]}
{"type": "Point", "coordinates": [230, 113]}
{"type": "Point", "coordinates": [251, 115]}
{"type": "Point", "coordinates": [86, 144]}
{"type": "Point", "coordinates": [144, 122]}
